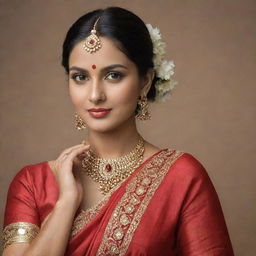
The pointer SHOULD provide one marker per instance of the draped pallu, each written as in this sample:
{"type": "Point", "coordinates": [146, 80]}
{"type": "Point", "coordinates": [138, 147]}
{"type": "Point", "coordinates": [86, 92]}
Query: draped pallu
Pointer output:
{"type": "Point", "coordinates": [167, 206]}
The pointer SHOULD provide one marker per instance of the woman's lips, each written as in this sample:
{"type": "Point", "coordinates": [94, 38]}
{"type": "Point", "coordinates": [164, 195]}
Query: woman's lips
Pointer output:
{"type": "Point", "coordinates": [99, 112]}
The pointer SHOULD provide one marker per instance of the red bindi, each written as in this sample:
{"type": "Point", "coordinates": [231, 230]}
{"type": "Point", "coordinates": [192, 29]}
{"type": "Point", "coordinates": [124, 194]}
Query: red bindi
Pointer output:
{"type": "Point", "coordinates": [94, 66]}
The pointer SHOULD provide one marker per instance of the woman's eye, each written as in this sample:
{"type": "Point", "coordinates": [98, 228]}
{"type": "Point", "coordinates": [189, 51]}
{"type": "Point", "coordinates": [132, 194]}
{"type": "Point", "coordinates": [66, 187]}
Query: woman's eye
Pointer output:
{"type": "Point", "coordinates": [114, 76]}
{"type": "Point", "coordinates": [78, 77]}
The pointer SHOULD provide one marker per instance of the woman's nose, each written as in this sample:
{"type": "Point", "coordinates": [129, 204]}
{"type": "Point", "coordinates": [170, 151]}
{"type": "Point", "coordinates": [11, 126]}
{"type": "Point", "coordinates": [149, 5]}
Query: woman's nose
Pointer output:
{"type": "Point", "coordinates": [97, 93]}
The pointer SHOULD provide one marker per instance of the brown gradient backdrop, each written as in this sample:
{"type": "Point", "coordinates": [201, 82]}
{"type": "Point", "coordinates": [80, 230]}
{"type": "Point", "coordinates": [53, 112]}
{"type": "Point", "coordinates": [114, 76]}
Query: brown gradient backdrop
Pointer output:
{"type": "Point", "coordinates": [210, 115]}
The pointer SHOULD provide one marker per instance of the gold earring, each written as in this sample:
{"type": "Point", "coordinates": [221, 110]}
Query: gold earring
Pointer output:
{"type": "Point", "coordinates": [79, 122]}
{"type": "Point", "coordinates": [143, 112]}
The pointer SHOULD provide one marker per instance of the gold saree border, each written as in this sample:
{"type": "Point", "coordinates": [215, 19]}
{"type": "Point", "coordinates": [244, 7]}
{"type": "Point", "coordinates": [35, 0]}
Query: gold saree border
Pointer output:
{"type": "Point", "coordinates": [86, 216]}
{"type": "Point", "coordinates": [128, 212]}
{"type": "Point", "coordinates": [19, 232]}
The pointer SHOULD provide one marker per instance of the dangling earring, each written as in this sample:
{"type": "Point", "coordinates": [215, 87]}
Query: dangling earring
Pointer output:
{"type": "Point", "coordinates": [79, 122]}
{"type": "Point", "coordinates": [143, 112]}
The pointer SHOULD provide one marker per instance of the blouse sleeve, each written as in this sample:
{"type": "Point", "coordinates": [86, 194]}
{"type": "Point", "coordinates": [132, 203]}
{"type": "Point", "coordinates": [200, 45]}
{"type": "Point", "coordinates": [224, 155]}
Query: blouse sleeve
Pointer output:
{"type": "Point", "coordinates": [202, 228]}
{"type": "Point", "coordinates": [21, 219]}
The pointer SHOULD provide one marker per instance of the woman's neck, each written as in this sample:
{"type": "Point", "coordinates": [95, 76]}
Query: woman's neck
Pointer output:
{"type": "Point", "coordinates": [115, 143]}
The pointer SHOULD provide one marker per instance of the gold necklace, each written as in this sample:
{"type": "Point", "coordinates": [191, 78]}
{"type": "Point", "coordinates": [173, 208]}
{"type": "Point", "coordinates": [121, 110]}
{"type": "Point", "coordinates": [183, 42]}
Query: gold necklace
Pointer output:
{"type": "Point", "coordinates": [110, 172]}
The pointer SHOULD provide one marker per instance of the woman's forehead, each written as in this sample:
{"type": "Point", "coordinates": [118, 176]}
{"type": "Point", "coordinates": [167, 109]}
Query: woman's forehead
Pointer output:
{"type": "Point", "coordinates": [108, 54]}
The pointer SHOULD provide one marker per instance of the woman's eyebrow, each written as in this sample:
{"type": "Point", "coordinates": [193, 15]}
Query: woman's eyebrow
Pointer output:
{"type": "Point", "coordinates": [102, 70]}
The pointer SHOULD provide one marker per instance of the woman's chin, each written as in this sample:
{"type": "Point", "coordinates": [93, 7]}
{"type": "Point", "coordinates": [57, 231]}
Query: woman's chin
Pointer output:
{"type": "Point", "coordinates": [106, 126]}
{"type": "Point", "coordinates": [103, 127]}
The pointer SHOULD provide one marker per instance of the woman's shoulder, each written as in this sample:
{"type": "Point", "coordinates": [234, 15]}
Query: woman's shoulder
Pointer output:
{"type": "Point", "coordinates": [185, 173]}
{"type": "Point", "coordinates": [186, 164]}
{"type": "Point", "coordinates": [34, 170]}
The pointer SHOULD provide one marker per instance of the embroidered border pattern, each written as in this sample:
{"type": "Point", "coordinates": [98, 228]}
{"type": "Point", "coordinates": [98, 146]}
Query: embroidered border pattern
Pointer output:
{"type": "Point", "coordinates": [128, 212]}
{"type": "Point", "coordinates": [19, 232]}
{"type": "Point", "coordinates": [85, 216]}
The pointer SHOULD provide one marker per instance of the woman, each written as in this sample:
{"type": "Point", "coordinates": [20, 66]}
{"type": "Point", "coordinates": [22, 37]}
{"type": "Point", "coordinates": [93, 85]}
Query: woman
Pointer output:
{"type": "Point", "coordinates": [115, 193]}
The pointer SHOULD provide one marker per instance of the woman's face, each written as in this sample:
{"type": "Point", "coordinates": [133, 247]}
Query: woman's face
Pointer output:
{"type": "Point", "coordinates": [104, 86]}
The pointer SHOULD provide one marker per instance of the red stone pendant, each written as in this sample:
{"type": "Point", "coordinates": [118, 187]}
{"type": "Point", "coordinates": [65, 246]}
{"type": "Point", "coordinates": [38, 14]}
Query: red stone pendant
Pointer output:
{"type": "Point", "coordinates": [108, 168]}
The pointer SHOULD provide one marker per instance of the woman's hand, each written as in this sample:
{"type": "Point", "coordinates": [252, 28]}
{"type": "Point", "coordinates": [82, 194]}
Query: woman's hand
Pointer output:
{"type": "Point", "coordinates": [70, 187]}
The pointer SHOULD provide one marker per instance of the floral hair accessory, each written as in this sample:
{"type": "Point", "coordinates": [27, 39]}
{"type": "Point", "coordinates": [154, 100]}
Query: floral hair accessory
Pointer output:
{"type": "Point", "coordinates": [164, 68]}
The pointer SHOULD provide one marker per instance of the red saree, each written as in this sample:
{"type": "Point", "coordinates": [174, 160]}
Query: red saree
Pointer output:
{"type": "Point", "coordinates": [168, 206]}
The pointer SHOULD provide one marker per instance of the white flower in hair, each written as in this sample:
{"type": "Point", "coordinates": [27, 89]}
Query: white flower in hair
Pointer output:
{"type": "Point", "coordinates": [164, 89]}
{"type": "Point", "coordinates": [159, 45]}
{"type": "Point", "coordinates": [164, 68]}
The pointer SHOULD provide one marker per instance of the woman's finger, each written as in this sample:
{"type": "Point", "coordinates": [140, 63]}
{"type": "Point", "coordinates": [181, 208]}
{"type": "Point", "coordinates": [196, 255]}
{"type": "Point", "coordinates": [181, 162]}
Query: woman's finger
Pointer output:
{"type": "Point", "coordinates": [73, 153]}
{"type": "Point", "coordinates": [77, 151]}
{"type": "Point", "coordinates": [68, 150]}
{"type": "Point", "coordinates": [64, 155]}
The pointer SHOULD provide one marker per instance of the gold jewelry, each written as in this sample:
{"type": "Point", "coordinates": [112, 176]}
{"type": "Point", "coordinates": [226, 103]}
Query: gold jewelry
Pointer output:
{"type": "Point", "coordinates": [79, 122]}
{"type": "Point", "coordinates": [92, 42]}
{"type": "Point", "coordinates": [19, 232]}
{"type": "Point", "coordinates": [143, 112]}
{"type": "Point", "coordinates": [109, 172]}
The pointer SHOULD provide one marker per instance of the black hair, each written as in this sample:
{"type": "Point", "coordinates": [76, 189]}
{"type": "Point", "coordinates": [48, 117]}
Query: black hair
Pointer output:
{"type": "Point", "coordinates": [124, 28]}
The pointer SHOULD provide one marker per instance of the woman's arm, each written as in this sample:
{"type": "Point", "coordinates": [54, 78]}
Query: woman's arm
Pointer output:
{"type": "Point", "coordinates": [52, 238]}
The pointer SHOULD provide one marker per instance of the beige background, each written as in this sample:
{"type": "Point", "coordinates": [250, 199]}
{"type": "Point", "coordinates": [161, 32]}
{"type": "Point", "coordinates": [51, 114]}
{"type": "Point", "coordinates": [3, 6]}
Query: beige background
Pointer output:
{"type": "Point", "coordinates": [210, 115]}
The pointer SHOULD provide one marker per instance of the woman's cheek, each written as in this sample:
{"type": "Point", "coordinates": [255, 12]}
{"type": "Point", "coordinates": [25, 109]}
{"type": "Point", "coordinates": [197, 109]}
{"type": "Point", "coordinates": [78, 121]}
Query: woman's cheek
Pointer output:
{"type": "Point", "coordinates": [127, 94]}
{"type": "Point", "coordinates": [76, 96]}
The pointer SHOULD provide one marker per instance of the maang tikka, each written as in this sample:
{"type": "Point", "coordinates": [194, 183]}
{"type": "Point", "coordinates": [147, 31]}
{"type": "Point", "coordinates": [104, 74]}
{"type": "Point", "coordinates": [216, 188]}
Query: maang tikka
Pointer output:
{"type": "Point", "coordinates": [92, 42]}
